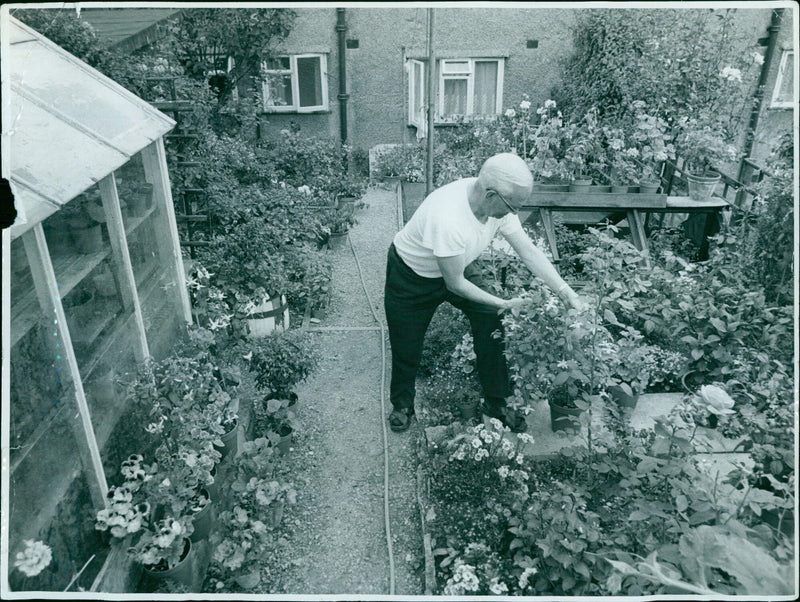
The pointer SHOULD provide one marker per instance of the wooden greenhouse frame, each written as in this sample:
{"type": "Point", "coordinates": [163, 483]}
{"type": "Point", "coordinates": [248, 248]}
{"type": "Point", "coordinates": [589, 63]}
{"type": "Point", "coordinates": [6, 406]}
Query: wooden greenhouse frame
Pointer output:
{"type": "Point", "coordinates": [66, 129]}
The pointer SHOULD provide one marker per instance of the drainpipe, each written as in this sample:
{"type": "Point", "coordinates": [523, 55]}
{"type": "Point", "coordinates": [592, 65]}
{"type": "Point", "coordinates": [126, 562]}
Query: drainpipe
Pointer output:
{"type": "Point", "coordinates": [341, 28]}
{"type": "Point", "coordinates": [758, 98]}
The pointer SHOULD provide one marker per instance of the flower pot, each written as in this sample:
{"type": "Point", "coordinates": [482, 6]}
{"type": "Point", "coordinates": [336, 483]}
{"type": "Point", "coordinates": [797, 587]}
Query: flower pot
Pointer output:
{"type": "Point", "coordinates": [580, 185]}
{"type": "Point", "coordinates": [203, 519]}
{"type": "Point", "coordinates": [275, 513]}
{"type": "Point", "coordinates": [88, 239]}
{"type": "Point", "coordinates": [291, 396]}
{"type": "Point", "coordinates": [623, 399]}
{"type": "Point", "coordinates": [139, 200]}
{"type": "Point", "coordinates": [619, 188]}
{"type": "Point", "coordinates": [248, 580]}
{"type": "Point", "coordinates": [181, 572]}
{"type": "Point", "coordinates": [701, 188]}
{"type": "Point", "coordinates": [285, 433]}
{"type": "Point", "coordinates": [563, 418]}
{"type": "Point", "coordinates": [337, 240]}
{"type": "Point", "coordinates": [599, 188]}
{"type": "Point", "coordinates": [230, 441]}
{"type": "Point", "coordinates": [348, 203]}
{"type": "Point", "coordinates": [214, 488]}
{"type": "Point", "coordinates": [467, 409]}
{"type": "Point", "coordinates": [538, 186]}
{"type": "Point", "coordinates": [648, 187]}
{"type": "Point", "coordinates": [271, 315]}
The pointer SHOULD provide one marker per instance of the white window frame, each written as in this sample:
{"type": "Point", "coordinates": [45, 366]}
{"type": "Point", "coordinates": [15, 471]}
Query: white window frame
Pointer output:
{"type": "Point", "coordinates": [292, 71]}
{"type": "Point", "coordinates": [469, 76]}
{"type": "Point", "coordinates": [781, 104]}
{"type": "Point", "coordinates": [417, 115]}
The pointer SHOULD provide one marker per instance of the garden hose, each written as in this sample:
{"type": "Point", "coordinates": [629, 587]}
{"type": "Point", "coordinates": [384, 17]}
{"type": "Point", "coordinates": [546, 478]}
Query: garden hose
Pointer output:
{"type": "Point", "coordinates": [386, 519]}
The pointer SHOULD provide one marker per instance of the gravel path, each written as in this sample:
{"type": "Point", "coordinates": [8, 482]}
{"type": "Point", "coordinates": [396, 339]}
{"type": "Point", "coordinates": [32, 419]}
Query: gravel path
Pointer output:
{"type": "Point", "coordinates": [337, 539]}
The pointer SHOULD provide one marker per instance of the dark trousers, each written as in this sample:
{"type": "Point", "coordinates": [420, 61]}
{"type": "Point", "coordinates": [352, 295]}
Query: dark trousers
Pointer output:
{"type": "Point", "coordinates": [410, 301]}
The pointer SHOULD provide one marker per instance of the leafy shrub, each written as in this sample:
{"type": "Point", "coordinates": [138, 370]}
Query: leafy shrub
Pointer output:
{"type": "Point", "coordinates": [444, 332]}
{"type": "Point", "coordinates": [281, 361]}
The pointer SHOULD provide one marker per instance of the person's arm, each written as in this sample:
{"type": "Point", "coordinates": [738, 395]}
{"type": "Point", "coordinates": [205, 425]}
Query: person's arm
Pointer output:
{"type": "Point", "coordinates": [540, 266]}
{"type": "Point", "coordinates": [452, 269]}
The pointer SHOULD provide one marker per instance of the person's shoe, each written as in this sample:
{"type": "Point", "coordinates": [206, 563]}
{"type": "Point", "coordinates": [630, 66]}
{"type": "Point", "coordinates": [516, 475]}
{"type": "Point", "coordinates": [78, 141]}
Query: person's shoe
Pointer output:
{"type": "Point", "coordinates": [513, 419]}
{"type": "Point", "coordinates": [400, 419]}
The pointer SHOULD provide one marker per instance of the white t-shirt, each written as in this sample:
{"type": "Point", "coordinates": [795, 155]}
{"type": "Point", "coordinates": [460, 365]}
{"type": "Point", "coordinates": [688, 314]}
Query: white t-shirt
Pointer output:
{"type": "Point", "coordinates": [444, 226]}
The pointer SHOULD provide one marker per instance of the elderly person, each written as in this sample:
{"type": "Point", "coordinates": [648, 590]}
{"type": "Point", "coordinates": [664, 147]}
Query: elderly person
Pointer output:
{"type": "Point", "coordinates": [431, 261]}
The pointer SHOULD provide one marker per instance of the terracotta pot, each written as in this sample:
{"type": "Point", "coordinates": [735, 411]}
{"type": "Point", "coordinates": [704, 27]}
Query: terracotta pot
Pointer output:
{"type": "Point", "coordinates": [337, 240]}
{"type": "Point", "coordinates": [701, 187]}
{"type": "Point", "coordinates": [580, 185]}
{"type": "Point", "coordinates": [648, 187]}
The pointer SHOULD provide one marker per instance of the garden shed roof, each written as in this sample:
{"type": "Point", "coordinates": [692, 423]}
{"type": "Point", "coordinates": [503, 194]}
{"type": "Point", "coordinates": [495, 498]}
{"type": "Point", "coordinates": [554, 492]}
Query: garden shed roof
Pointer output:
{"type": "Point", "coordinates": [66, 125]}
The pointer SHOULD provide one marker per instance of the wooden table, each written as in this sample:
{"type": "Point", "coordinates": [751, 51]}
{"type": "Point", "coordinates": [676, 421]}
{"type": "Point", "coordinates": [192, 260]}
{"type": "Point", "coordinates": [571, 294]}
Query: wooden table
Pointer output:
{"type": "Point", "coordinates": [633, 205]}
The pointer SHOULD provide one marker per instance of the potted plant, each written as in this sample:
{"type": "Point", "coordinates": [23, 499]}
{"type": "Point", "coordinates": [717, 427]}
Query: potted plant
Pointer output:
{"type": "Point", "coordinates": [85, 217]}
{"type": "Point", "coordinates": [584, 155]}
{"type": "Point", "coordinates": [247, 263]}
{"type": "Point", "coordinates": [349, 190]}
{"type": "Point", "coordinates": [335, 226]}
{"type": "Point", "coordinates": [649, 135]}
{"type": "Point", "coordinates": [624, 172]}
{"type": "Point", "coordinates": [703, 149]}
{"type": "Point", "coordinates": [550, 140]}
{"type": "Point", "coordinates": [163, 546]}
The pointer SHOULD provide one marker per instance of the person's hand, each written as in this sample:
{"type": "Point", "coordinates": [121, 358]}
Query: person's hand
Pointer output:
{"type": "Point", "coordinates": [577, 302]}
{"type": "Point", "coordinates": [512, 303]}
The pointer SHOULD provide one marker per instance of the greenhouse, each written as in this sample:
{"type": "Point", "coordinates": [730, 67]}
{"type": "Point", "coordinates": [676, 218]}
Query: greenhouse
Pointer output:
{"type": "Point", "coordinates": [370, 302]}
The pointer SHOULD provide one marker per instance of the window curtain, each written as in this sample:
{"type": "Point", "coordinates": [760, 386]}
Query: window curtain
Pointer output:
{"type": "Point", "coordinates": [455, 97]}
{"type": "Point", "coordinates": [309, 74]}
{"type": "Point", "coordinates": [485, 102]}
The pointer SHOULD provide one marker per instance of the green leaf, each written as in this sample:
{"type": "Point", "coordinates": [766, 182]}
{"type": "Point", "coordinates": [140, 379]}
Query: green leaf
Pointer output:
{"type": "Point", "coordinates": [609, 317]}
{"type": "Point", "coordinates": [719, 325]}
{"type": "Point", "coordinates": [697, 353]}
{"type": "Point", "coordinates": [681, 503]}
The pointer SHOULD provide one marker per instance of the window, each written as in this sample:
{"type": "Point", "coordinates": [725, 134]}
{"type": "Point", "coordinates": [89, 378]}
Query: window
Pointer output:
{"type": "Point", "coordinates": [783, 95]}
{"type": "Point", "coordinates": [218, 77]}
{"type": "Point", "coordinates": [470, 87]}
{"type": "Point", "coordinates": [296, 83]}
{"type": "Point", "coordinates": [416, 97]}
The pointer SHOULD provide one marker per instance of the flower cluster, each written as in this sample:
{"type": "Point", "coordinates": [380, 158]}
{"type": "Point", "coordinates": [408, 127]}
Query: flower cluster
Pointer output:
{"type": "Point", "coordinates": [34, 558]}
{"type": "Point", "coordinates": [243, 538]}
{"type": "Point", "coordinates": [123, 514]}
{"type": "Point", "coordinates": [163, 546]}
{"type": "Point", "coordinates": [464, 354]}
{"type": "Point", "coordinates": [478, 443]}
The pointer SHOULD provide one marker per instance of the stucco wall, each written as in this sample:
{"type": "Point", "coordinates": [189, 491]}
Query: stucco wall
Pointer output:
{"type": "Point", "coordinates": [773, 121]}
{"type": "Point", "coordinates": [377, 81]}
{"type": "Point", "coordinates": [313, 31]}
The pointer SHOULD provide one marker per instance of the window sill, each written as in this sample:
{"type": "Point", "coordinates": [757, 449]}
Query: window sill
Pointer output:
{"type": "Point", "coordinates": [319, 112]}
{"type": "Point", "coordinates": [787, 107]}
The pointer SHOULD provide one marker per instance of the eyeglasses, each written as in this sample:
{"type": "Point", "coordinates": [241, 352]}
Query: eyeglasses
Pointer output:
{"type": "Point", "coordinates": [505, 202]}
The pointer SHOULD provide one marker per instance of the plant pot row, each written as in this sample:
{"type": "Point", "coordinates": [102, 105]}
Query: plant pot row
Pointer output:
{"type": "Point", "coordinates": [586, 186]}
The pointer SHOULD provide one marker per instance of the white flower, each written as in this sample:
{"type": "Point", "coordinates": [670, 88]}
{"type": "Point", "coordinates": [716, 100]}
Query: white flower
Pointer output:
{"type": "Point", "coordinates": [481, 454]}
{"type": "Point", "coordinates": [511, 113]}
{"type": "Point", "coordinates": [758, 58]}
{"type": "Point", "coordinates": [503, 471]}
{"type": "Point", "coordinates": [497, 588]}
{"type": "Point", "coordinates": [525, 438]}
{"type": "Point", "coordinates": [525, 105]}
{"type": "Point", "coordinates": [526, 574]}
{"type": "Point", "coordinates": [550, 104]}
{"type": "Point", "coordinates": [731, 74]}
{"type": "Point", "coordinates": [716, 399]}
{"type": "Point", "coordinates": [496, 423]}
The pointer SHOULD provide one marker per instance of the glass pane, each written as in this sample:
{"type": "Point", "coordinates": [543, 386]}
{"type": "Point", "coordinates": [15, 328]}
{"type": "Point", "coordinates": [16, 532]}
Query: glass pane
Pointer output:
{"type": "Point", "coordinates": [150, 257]}
{"type": "Point", "coordinates": [309, 76]}
{"type": "Point", "coordinates": [485, 101]}
{"type": "Point", "coordinates": [419, 86]}
{"type": "Point", "coordinates": [279, 63]}
{"type": "Point", "coordinates": [279, 90]}
{"type": "Point", "coordinates": [786, 92]}
{"type": "Point", "coordinates": [455, 97]}
{"type": "Point", "coordinates": [455, 66]}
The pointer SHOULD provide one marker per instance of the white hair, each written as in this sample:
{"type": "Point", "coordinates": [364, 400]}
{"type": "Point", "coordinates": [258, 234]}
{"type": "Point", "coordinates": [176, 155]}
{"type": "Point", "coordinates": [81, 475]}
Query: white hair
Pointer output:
{"type": "Point", "coordinates": [504, 171]}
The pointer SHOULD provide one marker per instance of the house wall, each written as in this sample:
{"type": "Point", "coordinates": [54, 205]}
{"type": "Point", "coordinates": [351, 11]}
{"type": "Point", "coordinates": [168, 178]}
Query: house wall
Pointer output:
{"type": "Point", "coordinates": [376, 79]}
{"type": "Point", "coordinates": [774, 121]}
{"type": "Point", "coordinates": [387, 36]}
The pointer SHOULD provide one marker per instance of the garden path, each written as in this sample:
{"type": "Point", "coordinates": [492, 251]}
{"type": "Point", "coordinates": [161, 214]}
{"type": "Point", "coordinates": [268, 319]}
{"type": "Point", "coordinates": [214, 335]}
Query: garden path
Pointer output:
{"type": "Point", "coordinates": [337, 542]}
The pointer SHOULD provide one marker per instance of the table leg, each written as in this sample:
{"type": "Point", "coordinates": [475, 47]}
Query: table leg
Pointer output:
{"type": "Point", "coordinates": [638, 234]}
{"type": "Point", "coordinates": [549, 231]}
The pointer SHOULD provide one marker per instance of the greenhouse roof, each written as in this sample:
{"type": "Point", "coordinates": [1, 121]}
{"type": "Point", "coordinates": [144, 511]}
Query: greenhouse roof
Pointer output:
{"type": "Point", "coordinates": [66, 125]}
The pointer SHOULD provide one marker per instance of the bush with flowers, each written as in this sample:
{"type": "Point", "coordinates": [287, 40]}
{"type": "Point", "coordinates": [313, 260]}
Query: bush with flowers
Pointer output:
{"type": "Point", "coordinates": [549, 141]}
